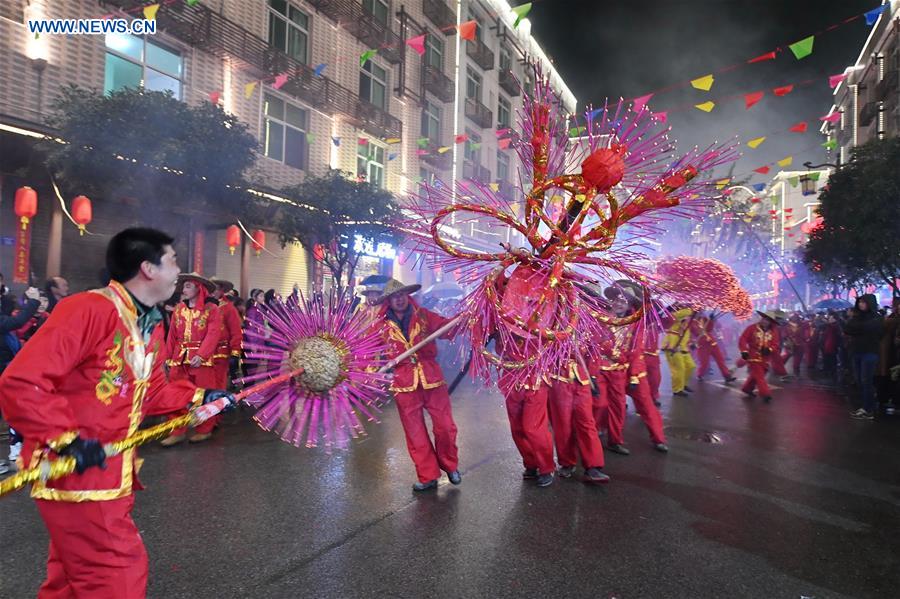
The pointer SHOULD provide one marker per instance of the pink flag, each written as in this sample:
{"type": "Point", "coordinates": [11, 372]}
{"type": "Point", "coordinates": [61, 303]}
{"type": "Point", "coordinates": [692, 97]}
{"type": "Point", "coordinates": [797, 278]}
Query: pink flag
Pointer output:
{"type": "Point", "coordinates": [751, 99]}
{"type": "Point", "coordinates": [280, 80]}
{"type": "Point", "coordinates": [501, 132]}
{"type": "Point", "coordinates": [417, 43]}
{"type": "Point", "coordinates": [362, 141]}
{"type": "Point", "coordinates": [640, 102]}
{"type": "Point", "coordinates": [214, 97]}
{"type": "Point", "coordinates": [503, 144]}
{"type": "Point", "coordinates": [662, 117]}
{"type": "Point", "coordinates": [421, 152]}
{"type": "Point", "coordinates": [835, 79]}
{"type": "Point", "coordinates": [831, 118]}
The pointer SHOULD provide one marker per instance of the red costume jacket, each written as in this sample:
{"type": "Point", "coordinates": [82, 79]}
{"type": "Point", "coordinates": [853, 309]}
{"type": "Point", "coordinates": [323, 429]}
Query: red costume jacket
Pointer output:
{"type": "Point", "coordinates": [754, 339]}
{"type": "Point", "coordinates": [622, 349]}
{"type": "Point", "coordinates": [705, 331]}
{"type": "Point", "coordinates": [795, 334]}
{"type": "Point", "coordinates": [88, 371]}
{"type": "Point", "coordinates": [232, 332]}
{"type": "Point", "coordinates": [194, 332]}
{"type": "Point", "coordinates": [421, 368]}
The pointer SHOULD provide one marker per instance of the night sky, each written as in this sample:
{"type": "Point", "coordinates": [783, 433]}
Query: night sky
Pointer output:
{"type": "Point", "coordinates": [628, 48]}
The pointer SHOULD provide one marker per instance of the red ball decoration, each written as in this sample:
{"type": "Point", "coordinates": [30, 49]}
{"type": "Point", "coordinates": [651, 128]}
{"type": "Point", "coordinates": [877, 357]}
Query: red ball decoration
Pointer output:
{"type": "Point", "coordinates": [25, 205]}
{"type": "Point", "coordinates": [604, 168]}
{"type": "Point", "coordinates": [232, 238]}
{"type": "Point", "coordinates": [82, 212]}
{"type": "Point", "coordinates": [259, 241]}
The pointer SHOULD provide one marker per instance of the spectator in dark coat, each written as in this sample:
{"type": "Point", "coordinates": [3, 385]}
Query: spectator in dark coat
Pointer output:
{"type": "Point", "coordinates": [864, 328]}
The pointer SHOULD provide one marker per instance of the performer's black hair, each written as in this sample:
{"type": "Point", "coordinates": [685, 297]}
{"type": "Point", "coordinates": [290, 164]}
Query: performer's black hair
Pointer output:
{"type": "Point", "coordinates": [128, 249]}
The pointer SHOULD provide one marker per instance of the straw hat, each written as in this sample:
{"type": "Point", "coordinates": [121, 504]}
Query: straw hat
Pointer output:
{"type": "Point", "coordinates": [224, 284]}
{"type": "Point", "coordinates": [196, 278]}
{"type": "Point", "coordinates": [395, 287]}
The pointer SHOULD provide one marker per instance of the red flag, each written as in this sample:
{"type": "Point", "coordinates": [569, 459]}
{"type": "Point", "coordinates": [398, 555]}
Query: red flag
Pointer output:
{"type": "Point", "coordinates": [503, 144]}
{"type": "Point", "coordinates": [417, 43]}
{"type": "Point", "coordinates": [461, 138]}
{"type": "Point", "coordinates": [763, 170]}
{"type": "Point", "coordinates": [783, 91]}
{"type": "Point", "coordinates": [214, 98]}
{"type": "Point", "coordinates": [751, 99]}
{"type": "Point", "coordinates": [280, 80]}
{"type": "Point", "coordinates": [799, 127]}
{"type": "Point", "coordinates": [467, 30]}
{"type": "Point", "coordinates": [763, 57]}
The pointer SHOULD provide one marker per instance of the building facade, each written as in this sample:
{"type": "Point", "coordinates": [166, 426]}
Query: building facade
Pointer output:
{"type": "Point", "coordinates": [292, 71]}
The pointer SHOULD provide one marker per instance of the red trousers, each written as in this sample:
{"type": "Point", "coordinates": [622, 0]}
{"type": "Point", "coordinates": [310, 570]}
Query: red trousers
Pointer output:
{"type": "Point", "coordinates": [204, 377]}
{"type": "Point", "coordinates": [654, 375]}
{"type": "Point", "coordinates": [777, 364]}
{"type": "Point", "coordinates": [96, 550]}
{"type": "Point", "coordinates": [574, 429]}
{"type": "Point", "coordinates": [527, 411]}
{"type": "Point", "coordinates": [220, 367]}
{"type": "Point", "coordinates": [797, 355]}
{"type": "Point", "coordinates": [614, 385]}
{"type": "Point", "coordinates": [756, 377]}
{"type": "Point", "coordinates": [429, 458]}
{"type": "Point", "coordinates": [705, 352]}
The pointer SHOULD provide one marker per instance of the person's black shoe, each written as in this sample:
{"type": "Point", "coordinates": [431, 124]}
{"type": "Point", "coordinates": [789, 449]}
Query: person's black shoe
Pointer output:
{"type": "Point", "coordinates": [530, 474]}
{"type": "Point", "coordinates": [657, 403]}
{"type": "Point", "coordinates": [730, 379]}
{"type": "Point", "coordinates": [688, 389]}
{"type": "Point", "coordinates": [661, 447]}
{"type": "Point", "coordinates": [419, 487]}
{"type": "Point", "coordinates": [455, 477]}
{"type": "Point", "coordinates": [699, 379]}
{"type": "Point", "coordinates": [566, 471]}
{"type": "Point", "coordinates": [594, 476]}
{"type": "Point", "coordinates": [767, 399]}
{"type": "Point", "coordinates": [680, 394]}
{"type": "Point", "coordinates": [749, 394]}
{"type": "Point", "coordinates": [618, 448]}
{"type": "Point", "coordinates": [545, 480]}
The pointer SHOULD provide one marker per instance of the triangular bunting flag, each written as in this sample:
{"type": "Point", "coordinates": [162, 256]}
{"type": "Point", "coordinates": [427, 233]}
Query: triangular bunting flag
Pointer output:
{"type": "Point", "coordinates": [417, 43]}
{"type": "Point", "coordinates": [803, 48]}
{"type": "Point", "coordinates": [192, 2]}
{"type": "Point", "coordinates": [214, 97]}
{"type": "Point", "coordinates": [639, 104]}
{"type": "Point", "coordinates": [760, 186]}
{"type": "Point", "coordinates": [280, 80]}
{"type": "Point", "coordinates": [722, 183]}
{"type": "Point", "coordinates": [763, 170]}
{"type": "Point", "coordinates": [755, 143]}
{"type": "Point", "coordinates": [794, 181]}
{"type": "Point", "coordinates": [392, 140]}
{"type": "Point", "coordinates": [392, 156]}
{"type": "Point", "coordinates": [461, 138]}
{"type": "Point", "coordinates": [783, 90]}
{"type": "Point", "coordinates": [501, 132]}
{"type": "Point", "coordinates": [704, 83]}
{"type": "Point", "coordinates": [150, 12]}
{"type": "Point", "coordinates": [319, 68]}
{"type": "Point", "coordinates": [336, 141]}
{"type": "Point", "coordinates": [751, 99]}
{"type": "Point", "coordinates": [835, 79]}
{"type": "Point", "coordinates": [576, 131]}
{"type": "Point", "coordinates": [475, 145]}
{"type": "Point", "coordinates": [495, 187]}
{"type": "Point", "coordinates": [248, 89]}
{"type": "Point", "coordinates": [444, 149]}
{"type": "Point", "coordinates": [521, 12]}
{"type": "Point", "coordinates": [362, 141]}
{"type": "Point", "coordinates": [787, 161]}
{"type": "Point", "coordinates": [799, 128]}
{"type": "Point", "coordinates": [872, 15]}
{"type": "Point", "coordinates": [662, 117]}
{"type": "Point", "coordinates": [763, 57]}
{"type": "Point", "coordinates": [830, 144]}
{"type": "Point", "coordinates": [815, 175]}
{"type": "Point", "coordinates": [367, 56]}
{"type": "Point", "coordinates": [310, 138]}
{"type": "Point", "coordinates": [422, 142]}
{"type": "Point", "coordinates": [421, 152]}
{"type": "Point", "coordinates": [503, 144]}
{"type": "Point", "coordinates": [467, 30]}
{"type": "Point", "coordinates": [706, 106]}
{"type": "Point", "coordinates": [831, 118]}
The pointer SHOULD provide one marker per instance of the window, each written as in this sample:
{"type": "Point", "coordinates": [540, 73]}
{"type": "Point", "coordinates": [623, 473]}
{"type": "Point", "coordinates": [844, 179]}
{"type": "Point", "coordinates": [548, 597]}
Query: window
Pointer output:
{"type": "Point", "coordinates": [473, 85]}
{"type": "Point", "coordinates": [504, 112]}
{"type": "Point", "coordinates": [136, 62]}
{"type": "Point", "coordinates": [473, 148]}
{"type": "Point", "coordinates": [502, 167]}
{"type": "Point", "coordinates": [434, 51]}
{"type": "Point", "coordinates": [505, 59]}
{"type": "Point", "coordinates": [370, 163]}
{"type": "Point", "coordinates": [431, 121]}
{"type": "Point", "coordinates": [284, 132]}
{"type": "Point", "coordinates": [373, 84]}
{"type": "Point", "coordinates": [288, 30]}
{"type": "Point", "coordinates": [379, 8]}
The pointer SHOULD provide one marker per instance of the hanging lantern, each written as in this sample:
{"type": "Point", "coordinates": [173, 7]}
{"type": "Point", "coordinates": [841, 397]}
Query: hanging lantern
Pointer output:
{"type": "Point", "coordinates": [259, 241]}
{"type": "Point", "coordinates": [25, 205]}
{"type": "Point", "coordinates": [232, 238]}
{"type": "Point", "coordinates": [82, 213]}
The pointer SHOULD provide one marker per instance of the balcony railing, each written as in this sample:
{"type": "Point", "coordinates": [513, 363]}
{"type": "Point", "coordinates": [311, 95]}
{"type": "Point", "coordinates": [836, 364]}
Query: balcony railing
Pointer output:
{"type": "Point", "coordinates": [481, 54]}
{"type": "Point", "coordinates": [888, 84]}
{"type": "Point", "coordinates": [441, 15]}
{"type": "Point", "coordinates": [221, 37]}
{"type": "Point", "coordinates": [364, 26]}
{"type": "Point", "coordinates": [434, 81]}
{"type": "Point", "coordinates": [868, 114]}
{"type": "Point", "coordinates": [476, 172]}
{"type": "Point", "coordinates": [509, 83]}
{"type": "Point", "coordinates": [436, 159]}
{"type": "Point", "coordinates": [479, 113]}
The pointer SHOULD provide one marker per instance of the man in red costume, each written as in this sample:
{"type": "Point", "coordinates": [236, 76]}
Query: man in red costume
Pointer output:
{"type": "Point", "coordinates": [795, 333]}
{"type": "Point", "coordinates": [89, 376]}
{"type": "Point", "coordinates": [226, 360]}
{"type": "Point", "coordinates": [619, 370]}
{"type": "Point", "coordinates": [194, 335]}
{"type": "Point", "coordinates": [651, 362]}
{"type": "Point", "coordinates": [708, 347]}
{"type": "Point", "coordinates": [418, 385]}
{"type": "Point", "coordinates": [758, 343]}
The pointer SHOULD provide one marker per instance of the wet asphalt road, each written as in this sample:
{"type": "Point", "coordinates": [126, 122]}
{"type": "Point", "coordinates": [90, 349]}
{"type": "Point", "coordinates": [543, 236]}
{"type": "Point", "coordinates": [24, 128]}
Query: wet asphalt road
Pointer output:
{"type": "Point", "coordinates": [792, 499]}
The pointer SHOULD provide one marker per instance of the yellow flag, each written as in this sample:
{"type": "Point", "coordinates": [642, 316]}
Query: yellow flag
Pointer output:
{"type": "Point", "coordinates": [706, 106]}
{"type": "Point", "coordinates": [443, 149]}
{"type": "Point", "coordinates": [150, 12]}
{"type": "Point", "coordinates": [755, 143]}
{"type": "Point", "coordinates": [495, 187]}
{"type": "Point", "coordinates": [722, 183]}
{"type": "Point", "coordinates": [248, 89]}
{"type": "Point", "coordinates": [392, 140]}
{"type": "Point", "coordinates": [704, 83]}
{"type": "Point", "coordinates": [786, 161]}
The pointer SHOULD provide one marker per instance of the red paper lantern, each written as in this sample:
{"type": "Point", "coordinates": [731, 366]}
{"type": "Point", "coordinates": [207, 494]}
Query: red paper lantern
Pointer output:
{"type": "Point", "coordinates": [82, 212]}
{"type": "Point", "coordinates": [25, 205]}
{"type": "Point", "coordinates": [259, 241]}
{"type": "Point", "coordinates": [232, 238]}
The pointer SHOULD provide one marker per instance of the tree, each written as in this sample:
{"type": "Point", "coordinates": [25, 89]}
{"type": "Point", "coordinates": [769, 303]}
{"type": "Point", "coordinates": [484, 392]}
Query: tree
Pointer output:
{"type": "Point", "coordinates": [149, 146]}
{"type": "Point", "coordinates": [858, 240]}
{"type": "Point", "coordinates": [333, 209]}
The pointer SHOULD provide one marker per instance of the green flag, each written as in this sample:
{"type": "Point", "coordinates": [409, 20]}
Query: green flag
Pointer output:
{"type": "Point", "coordinates": [366, 56]}
{"type": "Point", "coordinates": [521, 12]}
{"type": "Point", "coordinates": [803, 48]}
{"type": "Point", "coordinates": [830, 144]}
{"type": "Point", "coordinates": [794, 181]}
{"type": "Point", "coordinates": [815, 175]}
{"type": "Point", "coordinates": [576, 131]}
{"type": "Point", "coordinates": [310, 138]}
{"type": "Point", "coordinates": [192, 2]}
{"type": "Point", "coordinates": [423, 142]}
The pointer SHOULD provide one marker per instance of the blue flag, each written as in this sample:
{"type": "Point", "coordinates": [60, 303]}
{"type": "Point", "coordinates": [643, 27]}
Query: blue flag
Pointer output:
{"type": "Point", "coordinates": [319, 68]}
{"type": "Point", "coordinates": [872, 15]}
{"type": "Point", "coordinates": [759, 187]}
